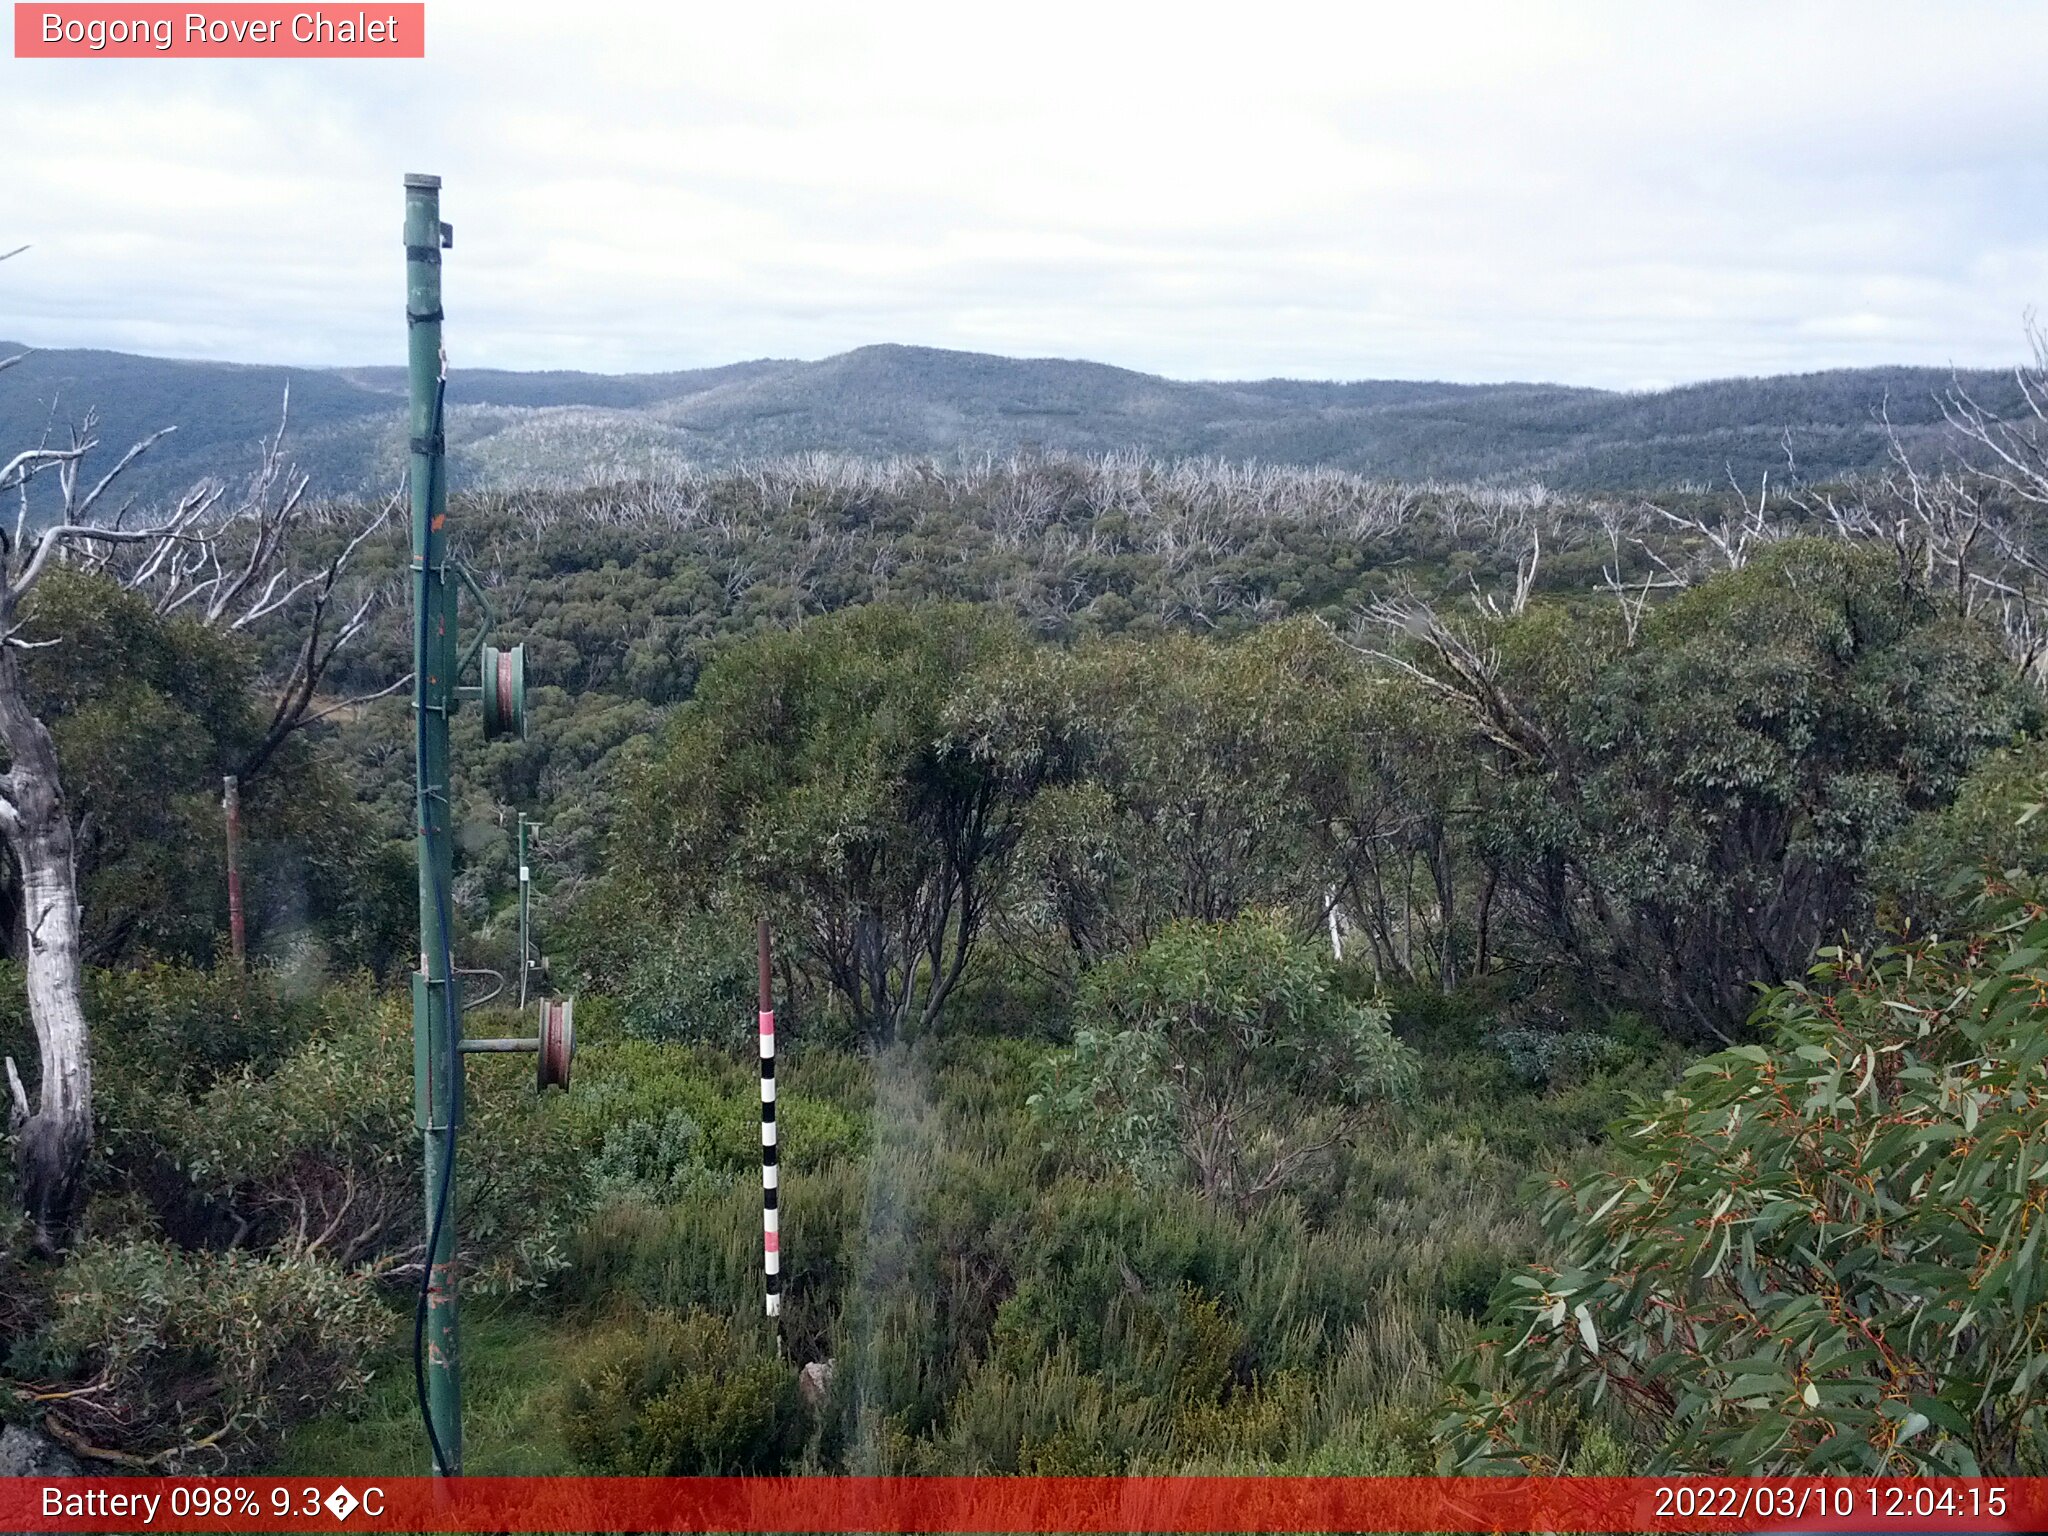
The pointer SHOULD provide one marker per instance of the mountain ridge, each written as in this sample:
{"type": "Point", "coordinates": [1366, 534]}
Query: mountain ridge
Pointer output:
{"type": "Point", "coordinates": [561, 426]}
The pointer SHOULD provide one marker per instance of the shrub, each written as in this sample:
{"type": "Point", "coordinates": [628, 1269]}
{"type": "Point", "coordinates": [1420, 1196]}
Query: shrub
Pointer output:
{"type": "Point", "coordinates": [689, 980]}
{"type": "Point", "coordinates": [1468, 1278]}
{"type": "Point", "coordinates": [706, 1252]}
{"type": "Point", "coordinates": [159, 1026]}
{"type": "Point", "coordinates": [1693, 812]}
{"type": "Point", "coordinates": [191, 1359]}
{"type": "Point", "coordinates": [860, 778]}
{"type": "Point", "coordinates": [256, 1180]}
{"type": "Point", "coordinates": [653, 1115]}
{"type": "Point", "coordinates": [1994, 827]}
{"type": "Point", "coordinates": [320, 1153]}
{"type": "Point", "coordinates": [1046, 1418]}
{"type": "Point", "coordinates": [1223, 1052]}
{"type": "Point", "coordinates": [1559, 1058]}
{"type": "Point", "coordinates": [684, 1396]}
{"type": "Point", "coordinates": [1173, 1381]}
{"type": "Point", "coordinates": [1819, 1253]}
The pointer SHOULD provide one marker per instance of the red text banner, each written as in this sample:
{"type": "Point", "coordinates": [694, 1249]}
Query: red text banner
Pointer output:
{"type": "Point", "coordinates": [1025, 1504]}
{"type": "Point", "coordinates": [241, 31]}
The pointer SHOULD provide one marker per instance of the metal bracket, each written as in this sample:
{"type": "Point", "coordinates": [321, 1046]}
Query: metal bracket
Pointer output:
{"type": "Point", "coordinates": [425, 1111]}
{"type": "Point", "coordinates": [555, 1046]}
{"type": "Point", "coordinates": [484, 628]}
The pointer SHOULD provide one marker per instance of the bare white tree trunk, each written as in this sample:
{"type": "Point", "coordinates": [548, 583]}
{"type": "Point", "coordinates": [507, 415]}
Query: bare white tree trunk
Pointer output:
{"type": "Point", "coordinates": [179, 563]}
{"type": "Point", "coordinates": [52, 1138]}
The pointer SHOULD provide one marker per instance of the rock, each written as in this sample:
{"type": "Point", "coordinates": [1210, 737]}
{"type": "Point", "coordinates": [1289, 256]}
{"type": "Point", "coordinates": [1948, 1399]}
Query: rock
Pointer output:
{"type": "Point", "coordinates": [814, 1381]}
{"type": "Point", "coordinates": [24, 1453]}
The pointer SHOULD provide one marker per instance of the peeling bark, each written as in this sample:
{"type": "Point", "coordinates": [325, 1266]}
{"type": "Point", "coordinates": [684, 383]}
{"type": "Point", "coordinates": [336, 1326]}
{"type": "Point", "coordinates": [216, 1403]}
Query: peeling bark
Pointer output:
{"type": "Point", "coordinates": [53, 1139]}
{"type": "Point", "coordinates": [177, 562]}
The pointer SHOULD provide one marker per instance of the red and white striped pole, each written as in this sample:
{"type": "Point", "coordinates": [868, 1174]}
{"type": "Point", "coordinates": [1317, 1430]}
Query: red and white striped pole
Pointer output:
{"type": "Point", "coordinates": [771, 1215]}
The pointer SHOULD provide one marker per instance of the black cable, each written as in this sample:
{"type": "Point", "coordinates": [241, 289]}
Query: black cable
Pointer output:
{"type": "Point", "coordinates": [454, 1062]}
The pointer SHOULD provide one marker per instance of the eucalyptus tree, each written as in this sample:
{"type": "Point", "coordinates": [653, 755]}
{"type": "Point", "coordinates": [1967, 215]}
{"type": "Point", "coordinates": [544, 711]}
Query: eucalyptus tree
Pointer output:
{"type": "Point", "coordinates": [1683, 808]}
{"type": "Point", "coordinates": [1818, 1255]}
{"type": "Point", "coordinates": [225, 563]}
{"type": "Point", "coordinates": [1185, 802]}
{"type": "Point", "coordinates": [54, 1136]}
{"type": "Point", "coordinates": [862, 779]}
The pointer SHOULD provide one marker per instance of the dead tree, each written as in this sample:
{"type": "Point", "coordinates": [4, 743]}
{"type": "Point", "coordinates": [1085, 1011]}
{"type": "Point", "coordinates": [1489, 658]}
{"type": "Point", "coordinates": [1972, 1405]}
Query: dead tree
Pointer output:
{"type": "Point", "coordinates": [1465, 672]}
{"type": "Point", "coordinates": [53, 1137]}
{"type": "Point", "coordinates": [231, 566]}
{"type": "Point", "coordinates": [1489, 603]}
{"type": "Point", "coordinates": [1962, 529]}
{"type": "Point", "coordinates": [2011, 452]}
{"type": "Point", "coordinates": [1632, 596]}
{"type": "Point", "coordinates": [1734, 539]}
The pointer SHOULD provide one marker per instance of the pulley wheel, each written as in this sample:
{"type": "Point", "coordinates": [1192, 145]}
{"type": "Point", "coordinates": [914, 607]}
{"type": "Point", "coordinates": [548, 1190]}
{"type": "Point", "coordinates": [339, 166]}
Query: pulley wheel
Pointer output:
{"type": "Point", "coordinates": [557, 1040]}
{"type": "Point", "coordinates": [504, 692]}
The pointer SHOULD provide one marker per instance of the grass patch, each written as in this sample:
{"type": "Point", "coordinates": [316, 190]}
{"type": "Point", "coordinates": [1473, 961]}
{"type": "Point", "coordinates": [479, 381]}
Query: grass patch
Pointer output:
{"type": "Point", "coordinates": [514, 1359]}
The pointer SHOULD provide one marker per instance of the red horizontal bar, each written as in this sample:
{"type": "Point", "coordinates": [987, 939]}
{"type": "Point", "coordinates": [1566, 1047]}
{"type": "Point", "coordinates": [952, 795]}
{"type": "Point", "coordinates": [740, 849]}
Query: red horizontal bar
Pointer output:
{"type": "Point", "coordinates": [1024, 1504]}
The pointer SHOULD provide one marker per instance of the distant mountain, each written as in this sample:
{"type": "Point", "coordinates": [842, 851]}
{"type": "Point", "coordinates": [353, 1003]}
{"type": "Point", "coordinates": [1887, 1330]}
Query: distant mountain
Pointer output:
{"type": "Point", "coordinates": [508, 429]}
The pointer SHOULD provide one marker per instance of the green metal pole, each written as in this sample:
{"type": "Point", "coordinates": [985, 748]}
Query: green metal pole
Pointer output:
{"type": "Point", "coordinates": [525, 881]}
{"type": "Point", "coordinates": [437, 1074]}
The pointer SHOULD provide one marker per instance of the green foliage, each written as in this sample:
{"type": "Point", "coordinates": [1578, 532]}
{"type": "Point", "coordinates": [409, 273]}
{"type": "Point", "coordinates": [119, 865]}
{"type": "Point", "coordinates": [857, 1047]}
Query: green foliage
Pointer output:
{"type": "Point", "coordinates": [193, 1359]}
{"type": "Point", "coordinates": [660, 1120]}
{"type": "Point", "coordinates": [705, 1251]}
{"type": "Point", "coordinates": [1173, 1388]}
{"type": "Point", "coordinates": [860, 779]}
{"type": "Point", "coordinates": [515, 1358]}
{"type": "Point", "coordinates": [1560, 1057]}
{"type": "Point", "coordinates": [256, 1213]}
{"type": "Point", "coordinates": [689, 979]}
{"type": "Point", "coordinates": [244, 1113]}
{"type": "Point", "coordinates": [1520, 1073]}
{"type": "Point", "coordinates": [1935, 868]}
{"type": "Point", "coordinates": [1221, 1052]}
{"type": "Point", "coordinates": [1681, 818]}
{"type": "Point", "coordinates": [1388, 787]}
{"type": "Point", "coordinates": [625, 594]}
{"type": "Point", "coordinates": [684, 1396]}
{"type": "Point", "coordinates": [1129, 838]}
{"type": "Point", "coordinates": [1664, 818]}
{"type": "Point", "coordinates": [147, 714]}
{"type": "Point", "coordinates": [989, 1304]}
{"type": "Point", "coordinates": [162, 1025]}
{"type": "Point", "coordinates": [1470, 1276]}
{"type": "Point", "coordinates": [1185, 800]}
{"type": "Point", "coordinates": [1821, 1252]}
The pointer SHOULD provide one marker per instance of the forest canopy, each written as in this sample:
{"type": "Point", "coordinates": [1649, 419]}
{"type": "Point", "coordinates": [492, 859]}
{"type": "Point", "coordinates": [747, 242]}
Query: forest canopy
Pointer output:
{"type": "Point", "coordinates": [1202, 895]}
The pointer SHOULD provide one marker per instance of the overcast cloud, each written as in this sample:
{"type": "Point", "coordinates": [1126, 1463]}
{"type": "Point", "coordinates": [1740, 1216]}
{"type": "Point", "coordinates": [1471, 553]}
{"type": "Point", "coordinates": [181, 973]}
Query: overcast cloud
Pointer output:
{"type": "Point", "coordinates": [1624, 195]}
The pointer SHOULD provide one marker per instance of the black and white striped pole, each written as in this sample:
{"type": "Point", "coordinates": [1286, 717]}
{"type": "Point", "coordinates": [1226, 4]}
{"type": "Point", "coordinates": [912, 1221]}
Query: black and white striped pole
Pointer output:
{"type": "Point", "coordinates": [771, 1215]}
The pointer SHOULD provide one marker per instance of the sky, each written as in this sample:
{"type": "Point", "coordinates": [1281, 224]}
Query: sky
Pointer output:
{"type": "Point", "coordinates": [1628, 195]}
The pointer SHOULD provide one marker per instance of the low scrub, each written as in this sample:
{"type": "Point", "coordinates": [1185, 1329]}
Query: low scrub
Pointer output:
{"type": "Point", "coordinates": [689, 1395]}
{"type": "Point", "coordinates": [160, 1358]}
{"type": "Point", "coordinates": [255, 1226]}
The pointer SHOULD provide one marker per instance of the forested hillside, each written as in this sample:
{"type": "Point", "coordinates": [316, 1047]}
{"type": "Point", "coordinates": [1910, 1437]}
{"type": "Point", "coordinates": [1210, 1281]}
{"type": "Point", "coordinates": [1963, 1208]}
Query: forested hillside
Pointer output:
{"type": "Point", "coordinates": [567, 429]}
{"type": "Point", "coordinates": [1254, 946]}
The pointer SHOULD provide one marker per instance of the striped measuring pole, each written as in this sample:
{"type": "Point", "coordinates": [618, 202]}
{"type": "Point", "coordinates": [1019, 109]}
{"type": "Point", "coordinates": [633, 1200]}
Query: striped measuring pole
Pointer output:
{"type": "Point", "coordinates": [771, 1215]}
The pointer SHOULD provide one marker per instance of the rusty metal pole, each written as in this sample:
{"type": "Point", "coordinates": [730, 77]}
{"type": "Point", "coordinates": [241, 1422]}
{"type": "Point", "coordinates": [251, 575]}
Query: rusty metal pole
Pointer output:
{"type": "Point", "coordinates": [231, 803]}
